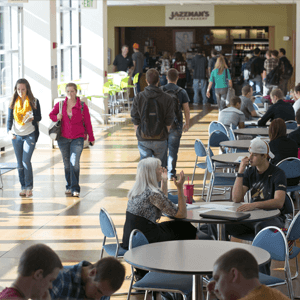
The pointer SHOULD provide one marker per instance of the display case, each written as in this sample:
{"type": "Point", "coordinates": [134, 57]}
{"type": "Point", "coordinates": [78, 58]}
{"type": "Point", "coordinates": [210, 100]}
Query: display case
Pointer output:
{"type": "Point", "coordinates": [243, 47]}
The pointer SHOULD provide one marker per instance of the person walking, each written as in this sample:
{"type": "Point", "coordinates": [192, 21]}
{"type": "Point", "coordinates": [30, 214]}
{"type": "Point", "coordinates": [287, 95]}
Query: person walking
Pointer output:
{"type": "Point", "coordinates": [24, 113]}
{"type": "Point", "coordinates": [75, 120]}
{"type": "Point", "coordinates": [180, 65]}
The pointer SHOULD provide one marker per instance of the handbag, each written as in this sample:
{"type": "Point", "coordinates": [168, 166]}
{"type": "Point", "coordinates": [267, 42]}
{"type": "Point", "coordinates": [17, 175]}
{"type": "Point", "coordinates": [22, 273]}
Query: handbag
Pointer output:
{"type": "Point", "coordinates": [54, 129]}
{"type": "Point", "coordinates": [230, 91]}
{"type": "Point", "coordinates": [86, 136]}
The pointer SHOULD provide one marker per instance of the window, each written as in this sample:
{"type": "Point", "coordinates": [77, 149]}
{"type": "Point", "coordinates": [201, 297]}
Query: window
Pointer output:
{"type": "Point", "coordinates": [69, 37]}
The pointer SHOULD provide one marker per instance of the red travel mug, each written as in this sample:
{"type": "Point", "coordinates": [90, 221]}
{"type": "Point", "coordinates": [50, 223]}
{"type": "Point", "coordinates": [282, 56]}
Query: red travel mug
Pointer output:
{"type": "Point", "coordinates": [189, 192]}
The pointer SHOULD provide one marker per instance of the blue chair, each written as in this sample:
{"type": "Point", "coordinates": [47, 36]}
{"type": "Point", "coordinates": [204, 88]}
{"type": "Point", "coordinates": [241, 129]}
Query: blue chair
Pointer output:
{"type": "Point", "coordinates": [255, 106]}
{"type": "Point", "coordinates": [258, 100]}
{"type": "Point", "coordinates": [215, 125]}
{"type": "Point", "coordinates": [155, 281]}
{"type": "Point", "coordinates": [273, 240]}
{"type": "Point", "coordinates": [291, 124]}
{"type": "Point", "coordinates": [216, 137]}
{"type": "Point", "coordinates": [109, 231]}
{"type": "Point", "coordinates": [231, 135]}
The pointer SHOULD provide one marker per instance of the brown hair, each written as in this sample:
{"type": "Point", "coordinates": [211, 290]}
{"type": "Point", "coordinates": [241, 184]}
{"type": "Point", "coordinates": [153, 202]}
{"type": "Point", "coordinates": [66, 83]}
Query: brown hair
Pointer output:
{"type": "Point", "coordinates": [277, 129]}
{"type": "Point", "coordinates": [36, 257]}
{"type": "Point", "coordinates": [241, 260]}
{"type": "Point", "coordinates": [172, 75]}
{"type": "Point", "coordinates": [28, 93]}
{"type": "Point", "coordinates": [152, 76]}
{"type": "Point", "coordinates": [221, 65]}
{"type": "Point", "coordinates": [297, 88]}
{"type": "Point", "coordinates": [298, 116]}
{"type": "Point", "coordinates": [274, 53]}
{"type": "Point", "coordinates": [246, 59]}
{"type": "Point", "coordinates": [246, 90]}
{"type": "Point", "coordinates": [109, 268]}
{"type": "Point", "coordinates": [73, 85]}
{"type": "Point", "coordinates": [235, 100]}
{"type": "Point", "coordinates": [278, 93]}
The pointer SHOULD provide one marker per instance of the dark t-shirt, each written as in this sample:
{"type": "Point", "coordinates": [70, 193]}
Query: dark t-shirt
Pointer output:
{"type": "Point", "coordinates": [295, 135]}
{"type": "Point", "coordinates": [263, 186]}
{"type": "Point", "coordinates": [123, 63]}
{"type": "Point", "coordinates": [138, 57]}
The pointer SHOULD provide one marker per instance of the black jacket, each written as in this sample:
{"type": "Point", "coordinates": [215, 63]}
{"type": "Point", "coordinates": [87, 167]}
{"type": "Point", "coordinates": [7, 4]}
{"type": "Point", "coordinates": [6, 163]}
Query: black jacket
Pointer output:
{"type": "Point", "coordinates": [199, 64]}
{"type": "Point", "coordinates": [37, 117]}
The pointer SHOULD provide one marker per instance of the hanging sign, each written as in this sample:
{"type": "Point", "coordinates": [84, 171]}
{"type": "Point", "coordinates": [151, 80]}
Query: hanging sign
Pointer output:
{"type": "Point", "coordinates": [190, 15]}
{"type": "Point", "coordinates": [89, 4]}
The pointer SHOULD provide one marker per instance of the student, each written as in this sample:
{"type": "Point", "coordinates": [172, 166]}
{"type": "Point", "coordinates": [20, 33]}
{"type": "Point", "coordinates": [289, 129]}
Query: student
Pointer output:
{"type": "Point", "coordinates": [296, 105]}
{"type": "Point", "coordinates": [295, 135]}
{"type": "Point", "coordinates": [247, 106]}
{"type": "Point", "coordinates": [39, 265]}
{"type": "Point", "coordinates": [235, 276]}
{"type": "Point", "coordinates": [232, 115]}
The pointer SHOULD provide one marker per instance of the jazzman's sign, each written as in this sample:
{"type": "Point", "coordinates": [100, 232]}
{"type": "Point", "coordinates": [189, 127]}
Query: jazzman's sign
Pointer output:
{"type": "Point", "coordinates": [189, 15]}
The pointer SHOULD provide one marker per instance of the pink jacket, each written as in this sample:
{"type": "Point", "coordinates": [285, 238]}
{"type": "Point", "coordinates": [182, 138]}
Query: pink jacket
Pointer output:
{"type": "Point", "coordinates": [73, 128]}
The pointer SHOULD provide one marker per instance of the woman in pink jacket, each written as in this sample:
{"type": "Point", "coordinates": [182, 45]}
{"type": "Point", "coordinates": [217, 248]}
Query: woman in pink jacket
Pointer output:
{"type": "Point", "coordinates": [75, 118]}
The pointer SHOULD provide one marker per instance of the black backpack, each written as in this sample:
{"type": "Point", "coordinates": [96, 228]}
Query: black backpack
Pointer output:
{"type": "Point", "coordinates": [251, 67]}
{"type": "Point", "coordinates": [152, 126]}
{"type": "Point", "coordinates": [177, 106]}
{"type": "Point", "coordinates": [274, 76]}
{"type": "Point", "coordinates": [288, 70]}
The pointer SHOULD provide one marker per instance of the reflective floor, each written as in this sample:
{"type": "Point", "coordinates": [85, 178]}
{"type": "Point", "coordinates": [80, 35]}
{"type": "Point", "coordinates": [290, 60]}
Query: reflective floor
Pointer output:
{"type": "Point", "coordinates": [71, 225]}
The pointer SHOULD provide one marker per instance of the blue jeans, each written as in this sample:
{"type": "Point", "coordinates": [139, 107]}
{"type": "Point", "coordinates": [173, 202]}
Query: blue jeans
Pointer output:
{"type": "Point", "coordinates": [71, 152]}
{"type": "Point", "coordinates": [24, 146]}
{"type": "Point", "coordinates": [203, 83]}
{"type": "Point", "coordinates": [173, 146]}
{"type": "Point", "coordinates": [213, 93]}
{"type": "Point", "coordinates": [163, 80]}
{"type": "Point", "coordinates": [256, 84]}
{"type": "Point", "coordinates": [156, 149]}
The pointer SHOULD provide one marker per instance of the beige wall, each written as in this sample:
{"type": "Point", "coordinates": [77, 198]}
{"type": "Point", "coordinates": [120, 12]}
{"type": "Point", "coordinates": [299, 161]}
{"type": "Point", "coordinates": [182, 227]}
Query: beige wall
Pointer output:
{"type": "Point", "coordinates": [283, 17]}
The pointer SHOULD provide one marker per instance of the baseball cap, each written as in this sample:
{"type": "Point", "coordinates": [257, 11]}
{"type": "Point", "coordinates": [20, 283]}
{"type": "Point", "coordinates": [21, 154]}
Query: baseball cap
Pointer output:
{"type": "Point", "coordinates": [260, 146]}
{"type": "Point", "coordinates": [136, 46]}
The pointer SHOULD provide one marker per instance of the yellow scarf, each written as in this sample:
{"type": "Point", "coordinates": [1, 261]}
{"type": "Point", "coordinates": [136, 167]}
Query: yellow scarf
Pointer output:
{"type": "Point", "coordinates": [20, 111]}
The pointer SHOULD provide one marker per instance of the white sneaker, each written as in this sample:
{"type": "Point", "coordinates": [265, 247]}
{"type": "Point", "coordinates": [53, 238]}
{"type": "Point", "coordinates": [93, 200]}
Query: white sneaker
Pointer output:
{"type": "Point", "coordinates": [75, 194]}
{"type": "Point", "coordinates": [68, 192]}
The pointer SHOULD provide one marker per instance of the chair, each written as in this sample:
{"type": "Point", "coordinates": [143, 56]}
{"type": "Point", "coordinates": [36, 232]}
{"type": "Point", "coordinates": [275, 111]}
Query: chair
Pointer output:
{"type": "Point", "coordinates": [155, 281]}
{"type": "Point", "coordinates": [135, 81]}
{"type": "Point", "coordinates": [258, 100]}
{"type": "Point", "coordinates": [109, 231]}
{"type": "Point", "coordinates": [291, 124]}
{"type": "Point", "coordinates": [255, 106]}
{"type": "Point", "coordinates": [216, 137]}
{"type": "Point", "coordinates": [215, 125]}
{"type": "Point", "coordinates": [273, 240]}
{"type": "Point", "coordinates": [231, 135]}
{"type": "Point", "coordinates": [200, 152]}
{"type": "Point", "coordinates": [5, 168]}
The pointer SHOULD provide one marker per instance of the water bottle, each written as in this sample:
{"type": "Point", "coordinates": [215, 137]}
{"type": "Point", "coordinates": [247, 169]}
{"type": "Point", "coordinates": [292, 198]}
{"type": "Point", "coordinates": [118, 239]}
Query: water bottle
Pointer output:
{"type": "Point", "coordinates": [287, 97]}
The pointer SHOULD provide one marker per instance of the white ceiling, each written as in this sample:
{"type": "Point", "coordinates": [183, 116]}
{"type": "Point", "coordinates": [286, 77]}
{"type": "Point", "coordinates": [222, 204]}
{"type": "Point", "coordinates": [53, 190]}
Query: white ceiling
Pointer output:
{"type": "Point", "coordinates": [182, 2]}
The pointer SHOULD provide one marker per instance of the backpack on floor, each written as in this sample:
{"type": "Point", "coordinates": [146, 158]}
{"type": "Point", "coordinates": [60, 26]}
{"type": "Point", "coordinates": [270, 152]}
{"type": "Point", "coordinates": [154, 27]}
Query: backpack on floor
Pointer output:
{"type": "Point", "coordinates": [177, 106]}
{"type": "Point", "coordinates": [152, 126]}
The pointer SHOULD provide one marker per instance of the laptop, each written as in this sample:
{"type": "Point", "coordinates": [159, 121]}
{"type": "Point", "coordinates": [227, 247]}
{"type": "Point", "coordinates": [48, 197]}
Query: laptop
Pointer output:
{"type": "Point", "coordinates": [225, 215]}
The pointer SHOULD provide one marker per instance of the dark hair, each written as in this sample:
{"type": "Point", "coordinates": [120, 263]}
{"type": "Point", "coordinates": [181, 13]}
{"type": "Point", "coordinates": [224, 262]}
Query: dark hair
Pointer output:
{"type": "Point", "coordinates": [28, 93]}
{"type": "Point", "coordinates": [256, 51]}
{"type": "Point", "coordinates": [109, 268]}
{"type": "Point", "coordinates": [73, 85]}
{"type": "Point", "coordinates": [124, 46]}
{"type": "Point", "coordinates": [277, 129]}
{"type": "Point", "coordinates": [36, 257]}
{"type": "Point", "coordinates": [234, 100]}
{"type": "Point", "coordinates": [214, 52]}
{"type": "Point", "coordinates": [178, 56]}
{"type": "Point", "coordinates": [246, 59]}
{"type": "Point", "coordinates": [152, 76]}
{"type": "Point", "coordinates": [172, 75]}
{"type": "Point", "coordinates": [297, 88]}
{"type": "Point", "coordinates": [246, 89]}
{"type": "Point", "coordinates": [298, 116]}
{"type": "Point", "coordinates": [274, 53]}
{"type": "Point", "coordinates": [278, 93]}
{"type": "Point", "coordinates": [282, 50]}
{"type": "Point", "coordinates": [240, 259]}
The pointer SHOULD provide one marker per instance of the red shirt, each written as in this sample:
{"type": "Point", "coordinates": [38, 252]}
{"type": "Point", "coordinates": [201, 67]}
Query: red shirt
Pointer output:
{"type": "Point", "coordinates": [11, 294]}
{"type": "Point", "coordinates": [180, 66]}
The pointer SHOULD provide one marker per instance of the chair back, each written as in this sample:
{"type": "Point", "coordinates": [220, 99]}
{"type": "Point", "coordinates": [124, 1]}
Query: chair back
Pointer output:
{"type": "Point", "coordinates": [210, 167]}
{"type": "Point", "coordinates": [199, 148]}
{"type": "Point", "coordinates": [124, 82]}
{"type": "Point", "coordinates": [290, 166]}
{"type": "Point", "coordinates": [288, 207]}
{"type": "Point", "coordinates": [255, 106]}
{"type": "Point", "coordinates": [273, 240]}
{"type": "Point", "coordinates": [231, 135]}
{"type": "Point", "coordinates": [136, 239]}
{"type": "Point", "coordinates": [216, 138]}
{"type": "Point", "coordinates": [294, 228]}
{"type": "Point", "coordinates": [136, 78]}
{"type": "Point", "coordinates": [106, 223]}
{"type": "Point", "coordinates": [291, 124]}
{"type": "Point", "coordinates": [215, 125]}
{"type": "Point", "coordinates": [258, 100]}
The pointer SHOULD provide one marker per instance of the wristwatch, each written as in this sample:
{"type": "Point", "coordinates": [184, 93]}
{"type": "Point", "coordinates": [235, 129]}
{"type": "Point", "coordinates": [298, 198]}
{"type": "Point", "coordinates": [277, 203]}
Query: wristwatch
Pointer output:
{"type": "Point", "coordinates": [239, 174]}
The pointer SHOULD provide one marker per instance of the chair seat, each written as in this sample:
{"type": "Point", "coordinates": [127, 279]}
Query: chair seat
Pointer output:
{"type": "Point", "coordinates": [154, 280]}
{"type": "Point", "coordinates": [223, 180]}
{"type": "Point", "coordinates": [296, 251]}
{"type": "Point", "coordinates": [111, 250]}
{"type": "Point", "coordinates": [293, 188]}
{"type": "Point", "coordinates": [202, 165]}
{"type": "Point", "coordinates": [269, 280]}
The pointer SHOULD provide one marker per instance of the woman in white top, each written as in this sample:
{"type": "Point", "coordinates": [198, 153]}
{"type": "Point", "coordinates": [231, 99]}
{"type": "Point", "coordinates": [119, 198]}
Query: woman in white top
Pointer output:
{"type": "Point", "coordinates": [296, 105]}
{"type": "Point", "coordinates": [23, 116]}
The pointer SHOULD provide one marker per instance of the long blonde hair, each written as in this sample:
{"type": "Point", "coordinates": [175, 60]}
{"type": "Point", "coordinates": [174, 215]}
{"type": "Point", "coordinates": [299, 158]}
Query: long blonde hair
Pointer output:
{"type": "Point", "coordinates": [221, 65]}
{"type": "Point", "coordinates": [145, 177]}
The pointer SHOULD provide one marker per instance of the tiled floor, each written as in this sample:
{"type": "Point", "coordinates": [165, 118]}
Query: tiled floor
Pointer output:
{"type": "Point", "coordinates": [71, 225]}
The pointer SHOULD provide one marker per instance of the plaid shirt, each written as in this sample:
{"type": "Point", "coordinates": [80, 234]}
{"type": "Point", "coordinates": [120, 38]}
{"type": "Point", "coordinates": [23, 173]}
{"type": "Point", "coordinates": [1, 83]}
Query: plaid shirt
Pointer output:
{"type": "Point", "coordinates": [68, 284]}
{"type": "Point", "coordinates": [271, 63]}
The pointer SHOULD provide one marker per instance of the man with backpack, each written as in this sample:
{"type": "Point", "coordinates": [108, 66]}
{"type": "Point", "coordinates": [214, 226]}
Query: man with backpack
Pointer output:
{"type": "Point", "coordinates": [181, 101]}
{"type": "Point", "coordinates": [256, 68]}
{"type": "Point", "coordinates": [288, 71]}
{"type": "Point", "coordinates": [152, 114]}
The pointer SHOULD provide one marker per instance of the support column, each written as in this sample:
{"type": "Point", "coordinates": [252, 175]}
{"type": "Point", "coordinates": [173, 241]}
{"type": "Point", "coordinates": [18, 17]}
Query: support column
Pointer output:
{"type": "Point", "coordinates": [297, 66]}
{"type": "Point", "coordinates": [40, 58]}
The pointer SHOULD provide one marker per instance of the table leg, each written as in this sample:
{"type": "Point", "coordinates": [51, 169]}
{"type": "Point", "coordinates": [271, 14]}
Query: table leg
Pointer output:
{"type": "Point", "coordinates": [197, 287]}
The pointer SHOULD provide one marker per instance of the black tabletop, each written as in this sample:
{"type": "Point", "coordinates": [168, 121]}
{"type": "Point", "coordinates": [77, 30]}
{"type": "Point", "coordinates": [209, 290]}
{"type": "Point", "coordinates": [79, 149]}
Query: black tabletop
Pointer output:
{"type": "Point", "coordinates": [240, 144]}
{"type": "Point", "coordinates": [256, 131]}
{"type": "Point", "coordinates": [230, 158]}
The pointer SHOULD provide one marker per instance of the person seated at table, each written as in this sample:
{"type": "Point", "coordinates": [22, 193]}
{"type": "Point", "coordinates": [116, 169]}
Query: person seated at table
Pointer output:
{"type": "Point", "coordinates": [147, 203]}
{"type": "Point", "coordinates": [233, 115]}
{"type": "Point", "coordinates": [235, 276]}
{"type": "Point", "coordinates": [295, 135]}
{"type": "Point", "coordinates": [296, 95]}
{"type": "Point", "coordinates": [280, 145]}
{"type": "Point", "coordinates": [279, 109]}
{"type": "Point", "coordinates": [247, 106]}
{"type": "Point", "coordinates": [267, 185]}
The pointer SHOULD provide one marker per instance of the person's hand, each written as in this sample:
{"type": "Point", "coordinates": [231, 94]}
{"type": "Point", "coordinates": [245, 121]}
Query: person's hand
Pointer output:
{"type": "Point", "coordinates": [180, 182]}
{"type": "Point", "coordinates": [185, 127]}
{"type": "Point", "coordinates": [164, 175]}
{"type": "Point", "coordinates": [208, 94]}
{"type": "Point", "coordinates": [211, 290]}
{"type": "Point", "coordinates": [46, 296]}
{"type": "Point", "coordinates": [246, 207]}
{"type": "Point", "coordinates": [93, 143]}
{"type": "Point", "coordinates": [31, 119]}
{"type": "Point", "coordinates": [244, 163]}
{"type": "Point", "coordinates": [11, 135]}
{"type": "Point", "coordinates": [59, 117]}
{"type": "Point", "coordinates": [253, 99]}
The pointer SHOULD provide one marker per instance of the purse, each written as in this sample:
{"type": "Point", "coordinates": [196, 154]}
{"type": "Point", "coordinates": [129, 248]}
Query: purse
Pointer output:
{"type": "Point", "coordinates": [54, 129]}
{"type": "Point", "coordinates": [86, 136]}
{"type": "Point", "coordinates": [230, 91]}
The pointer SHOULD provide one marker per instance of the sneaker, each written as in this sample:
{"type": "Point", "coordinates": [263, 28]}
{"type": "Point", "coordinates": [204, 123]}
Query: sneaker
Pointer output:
{"type": "Point", "coordinates": [28, 193]}
{"type": "Point", "coordinates": [68, 192]}
{"type": "Point", "coordinates": [75, 194]}
{"type": "Point", "coordinates": [196, 103]}
{"type": "Point", "coordinates": [23, 193]}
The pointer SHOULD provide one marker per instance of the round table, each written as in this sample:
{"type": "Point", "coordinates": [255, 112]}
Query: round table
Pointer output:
{"type": "Point", "coordinates": [239, 144]}
{"type": "Point", "coordinates": [256, 131]}
{"type": "Point", "coordinates": [230, 158]}
{"type": "Point", "coordinates": [194, 257]}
